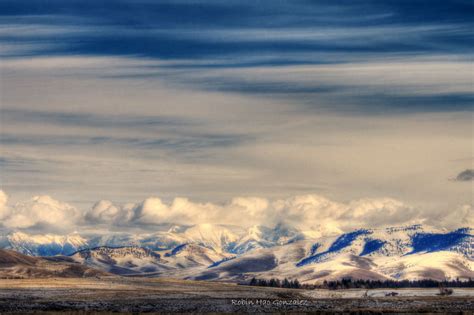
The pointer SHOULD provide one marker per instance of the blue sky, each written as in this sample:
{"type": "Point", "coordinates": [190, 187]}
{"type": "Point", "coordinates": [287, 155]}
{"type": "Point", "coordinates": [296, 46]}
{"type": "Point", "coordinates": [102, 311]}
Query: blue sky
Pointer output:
{"type": "Point", "coordinates": [123, 100]}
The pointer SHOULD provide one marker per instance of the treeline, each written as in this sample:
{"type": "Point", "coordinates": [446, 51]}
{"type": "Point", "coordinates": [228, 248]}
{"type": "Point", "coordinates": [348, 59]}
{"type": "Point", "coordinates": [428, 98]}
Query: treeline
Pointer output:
{"type": "Point", "coordinates": [361, 284]}
{"type": "Point", "coordinates": [393, 284]}
{"type": "Point", "coordinates": [277, 283]}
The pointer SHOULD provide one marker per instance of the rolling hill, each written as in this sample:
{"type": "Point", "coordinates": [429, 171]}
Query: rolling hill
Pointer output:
{"type": "Point", "coordinates": [210, 252]}
{"type": "Point", "coordinates": [16, 265]}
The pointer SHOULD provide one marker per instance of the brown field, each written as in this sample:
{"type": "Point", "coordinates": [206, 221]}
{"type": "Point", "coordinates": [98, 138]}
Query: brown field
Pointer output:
{"type": "Point", "coordinates": [134, 295]}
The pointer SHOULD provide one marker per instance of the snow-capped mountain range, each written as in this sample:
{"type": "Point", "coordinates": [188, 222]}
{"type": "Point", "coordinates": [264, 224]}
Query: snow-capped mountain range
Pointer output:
{"type": "Point", "coordinates": [222, 239]}
{"type": "Point", "coordinates": [216, 252]}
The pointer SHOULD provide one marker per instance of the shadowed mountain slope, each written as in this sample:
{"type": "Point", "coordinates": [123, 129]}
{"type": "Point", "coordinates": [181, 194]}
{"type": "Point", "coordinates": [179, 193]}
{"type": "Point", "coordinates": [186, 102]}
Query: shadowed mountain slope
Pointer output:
{"type": "Point", "coordinates": [16, 265]}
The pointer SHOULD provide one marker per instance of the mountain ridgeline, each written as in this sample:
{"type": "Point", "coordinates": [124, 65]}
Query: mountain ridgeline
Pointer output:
{"type": "Point", "coordinates": [215, 252]}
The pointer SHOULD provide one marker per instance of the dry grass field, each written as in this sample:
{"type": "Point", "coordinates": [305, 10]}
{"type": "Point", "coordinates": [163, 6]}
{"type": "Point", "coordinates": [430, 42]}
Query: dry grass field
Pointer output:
{"type": "Point", "coordinates": [133, 295]}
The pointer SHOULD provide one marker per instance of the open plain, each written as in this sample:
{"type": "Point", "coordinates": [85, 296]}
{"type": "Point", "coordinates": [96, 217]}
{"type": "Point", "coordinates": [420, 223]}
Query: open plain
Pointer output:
{"type": "Point", "coordinates": [136, 295]}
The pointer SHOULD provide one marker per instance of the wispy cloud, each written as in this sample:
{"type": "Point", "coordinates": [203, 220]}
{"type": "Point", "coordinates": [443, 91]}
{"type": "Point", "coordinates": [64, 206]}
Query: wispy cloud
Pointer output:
{"type": "Point", "coordinates": [386, 40]}
{"type": "Point", "coordinates": [168, 30]}
{"type": "Point", "coordinates": [212, 100]}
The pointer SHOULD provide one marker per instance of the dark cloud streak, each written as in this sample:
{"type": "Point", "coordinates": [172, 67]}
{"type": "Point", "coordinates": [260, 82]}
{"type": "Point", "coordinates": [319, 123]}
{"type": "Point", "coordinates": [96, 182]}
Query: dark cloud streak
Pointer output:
{"type": "Point", "coordinates": [465, 176]}
{"type": "Point", "coordinates": [165, 29]}
{"type": "Point", "coordinates": [206, 35]}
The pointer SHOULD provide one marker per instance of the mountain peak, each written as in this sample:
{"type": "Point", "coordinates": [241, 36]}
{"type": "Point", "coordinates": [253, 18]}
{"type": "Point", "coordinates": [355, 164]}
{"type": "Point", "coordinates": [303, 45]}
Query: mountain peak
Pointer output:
{"type": "Point", "coordinates": [46, 244]}
{"type": "Point", "coordinates": [213, 236]}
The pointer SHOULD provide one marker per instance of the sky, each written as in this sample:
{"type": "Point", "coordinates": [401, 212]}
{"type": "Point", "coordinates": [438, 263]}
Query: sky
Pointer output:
{"type": "Point", "coordinates": [192, 110]}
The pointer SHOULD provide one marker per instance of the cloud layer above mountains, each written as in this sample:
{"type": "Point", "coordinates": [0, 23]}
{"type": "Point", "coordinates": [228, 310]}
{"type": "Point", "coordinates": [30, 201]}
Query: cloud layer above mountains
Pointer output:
{"type": "Point", "coordinates": [39, 212]}
{"type": "Point", "coordinates": [306, 212]}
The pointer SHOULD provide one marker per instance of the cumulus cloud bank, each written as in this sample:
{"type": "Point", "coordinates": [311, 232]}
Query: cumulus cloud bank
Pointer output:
{"type": "Point", "coordinates": [4, 211]}
{"type": "Point", "coordinates": [306, 212]}
{"type": "Point", "coordinates": [39, 211]}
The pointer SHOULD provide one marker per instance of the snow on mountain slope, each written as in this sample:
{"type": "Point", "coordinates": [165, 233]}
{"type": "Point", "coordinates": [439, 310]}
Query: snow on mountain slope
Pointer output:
{"type": "Point", "coordinates": [280, 262]}
{"type": "Point", "coordinates": [435, 265]}
{"type": "Point", "coordinates": [46, 245]}
{"type": "Point", "coordinates": [263, 263]}
{"type": "Point", "coordinates": [224, 239]}
{"type": "Point", "coordinates": [217, 237]}
{"type": "Point", "coordinates": [123, 260]}
{"type": "Point", "coordinates": [410, 252]}
{"type": "Point", "coordinates": [221, 252]}
{"type": "Point", "coordinates": [439, 266]}
{"type": "Point", "coordinates": [346, 265]}
{"type": "Point", "coordinates": [17, 265]}
{"type": "Point", "coordinates": [375, 242]}
{"type": "Point", "coordinates": [255, 238]}
{"type": "Point", "coordinates": [393, 253]}
{"type": "Point", "coordinates": [154, 241]}
{"type": "Point", "coordinates": [347, 243]}
{"type": "Point", "coordinates": [193, 255]}
{"type": "Point", "coordinates": [417, 239]}
{"type": "Point", "coordinates": [263, 237]}
{"type": "Point", "coordinates": [257, 261]}
{"type": "Point", "coordinates": [133, 260]}
{"type": "Point", "coordinates": [393, 242]}
{"type": "Point", "coordinates": [459, 241]}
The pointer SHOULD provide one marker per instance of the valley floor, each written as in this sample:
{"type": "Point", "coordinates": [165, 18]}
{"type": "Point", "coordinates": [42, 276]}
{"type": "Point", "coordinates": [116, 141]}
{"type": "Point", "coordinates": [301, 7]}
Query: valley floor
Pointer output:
{"type": "Point", "coordinates": [133, 295]}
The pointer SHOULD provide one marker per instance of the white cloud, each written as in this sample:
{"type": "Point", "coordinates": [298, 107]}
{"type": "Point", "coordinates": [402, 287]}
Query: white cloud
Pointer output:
{"type": "Point", "coordinates": [103, 210]}
{"type": "Point", "coordinates": [4, 210]}
{"type": "Point", "coordinates": [250, 207]}
{"type": "Point", "coordinates": [154, 211]}
{"type": "Point", "coordinates": [308, 212]}
{"type": "Point", "coordinates": [462, 216]}
{"type": "Point", "coordinates": [151, 210]}
{"type": "Point", "coordinates": [379, 212]}
{"type": "Point", "coordinates": [41, 211]}
{"type": "Point", "coordinates": [197, 212]}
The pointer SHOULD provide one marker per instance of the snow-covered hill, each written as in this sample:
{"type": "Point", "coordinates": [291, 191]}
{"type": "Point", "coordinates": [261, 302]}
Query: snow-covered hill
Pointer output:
{"type": "Point", "coordinates": [280, 263]}
{"type": "Point", "coordinates": [411, 252]}
{"type": "Point", "coordinates": [393, 242]}
{"type": "Point", "coordinates": [223, 239]}
{"type": "Point", "coordinates": [46, 244]}
{"type": "Point", "coordinates": [16, 265]}
{"type": "Point", "coordinates": [223, 252]}
{"type": "Point", "coordinates": [263, 237]}
{"type": "Point", "coordinates": [133, 260]}
{"type": "Point", "coordinates": [219, 238]}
